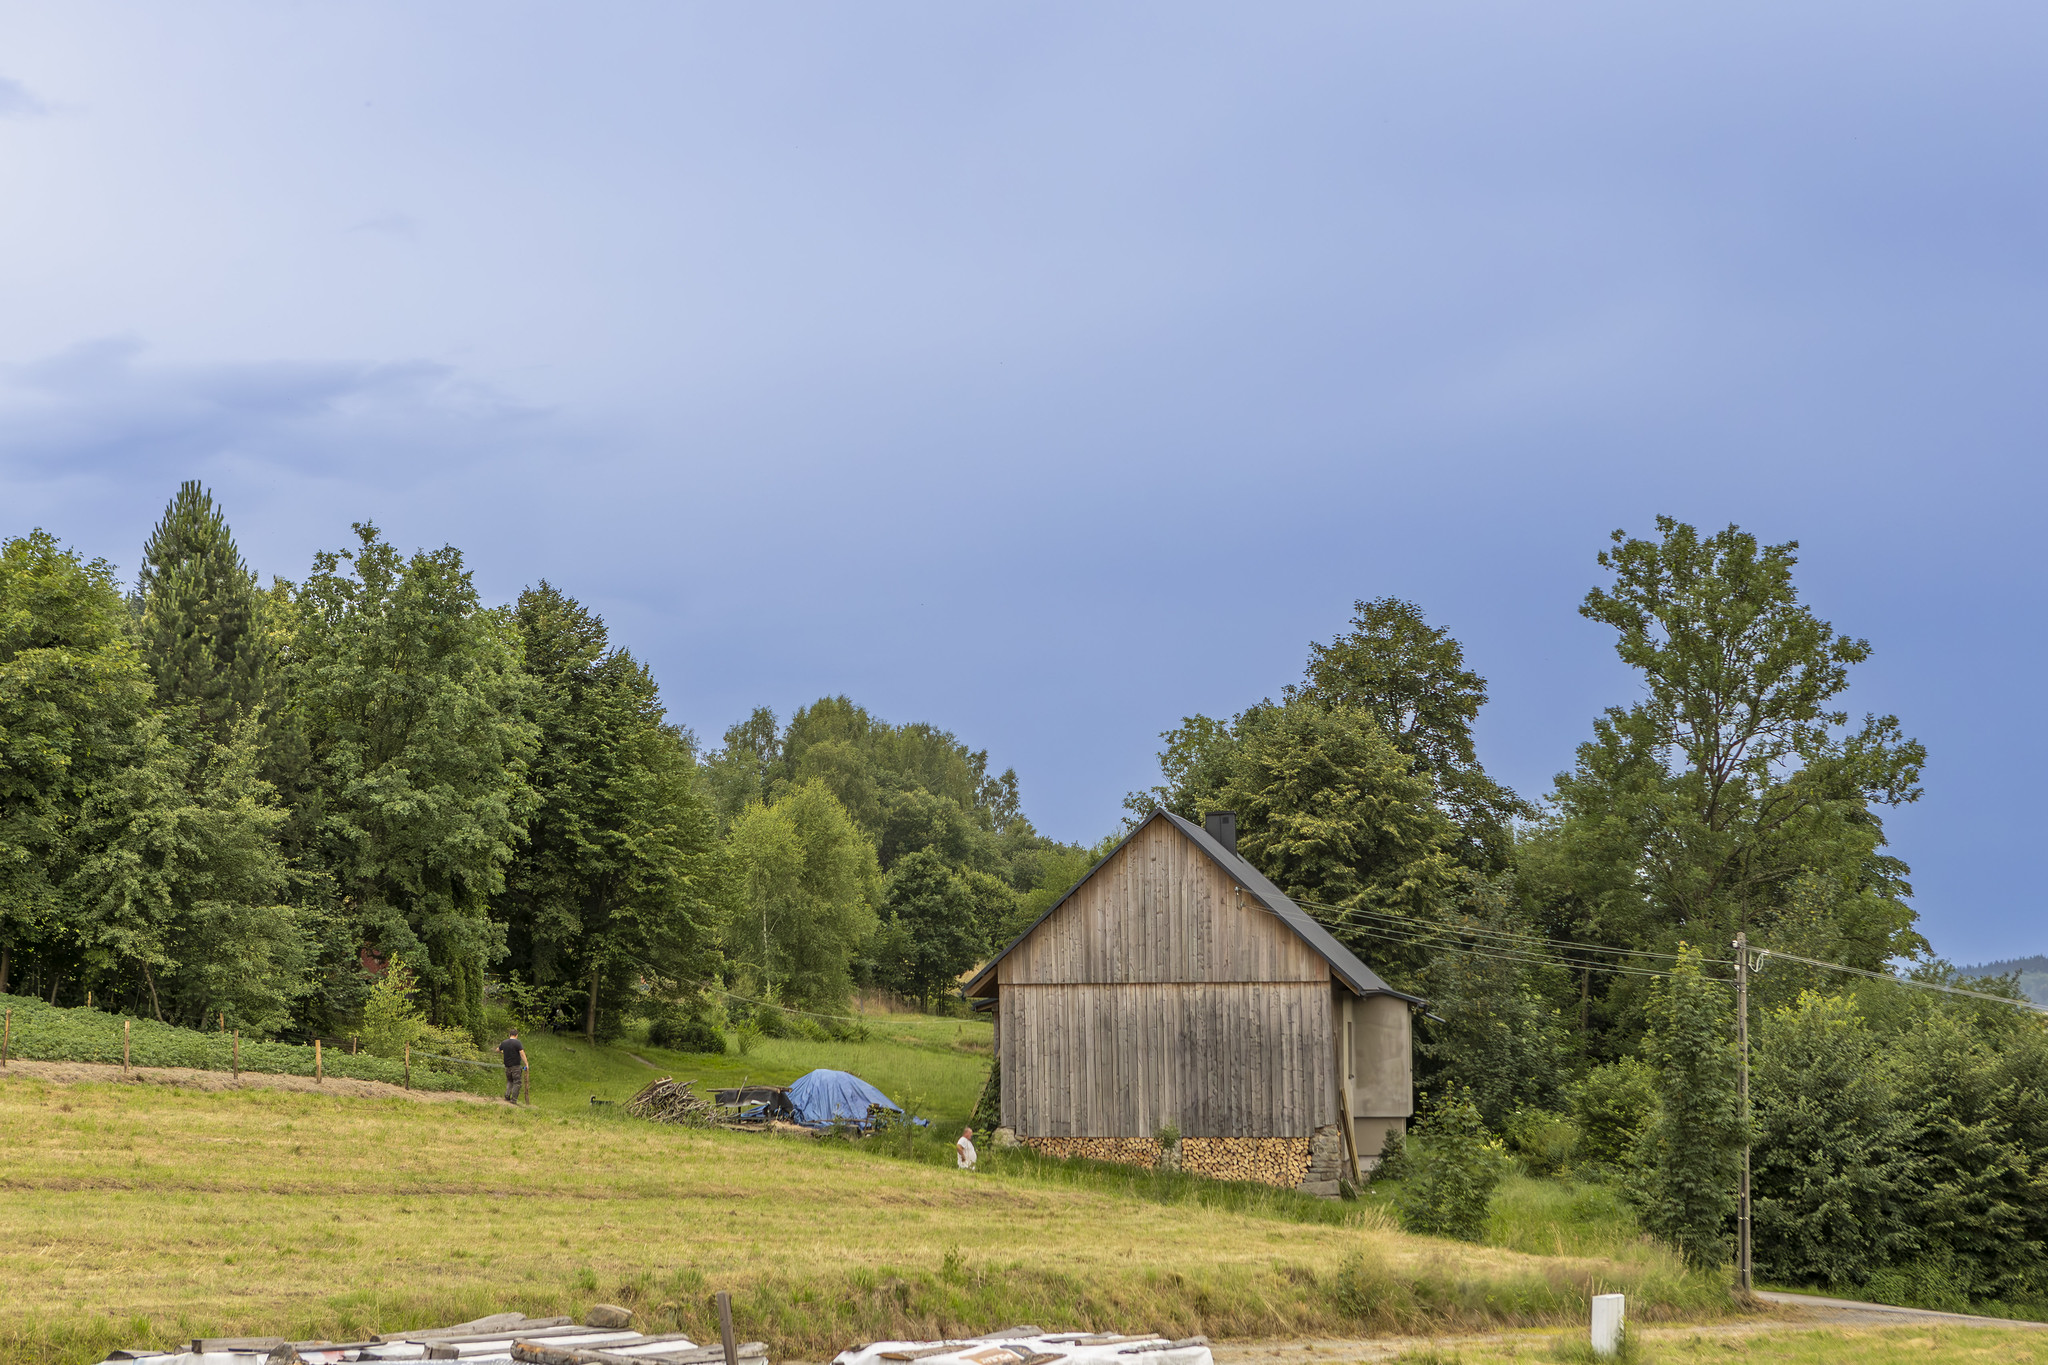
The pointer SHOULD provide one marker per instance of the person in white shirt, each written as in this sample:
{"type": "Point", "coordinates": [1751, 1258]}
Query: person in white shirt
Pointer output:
{"type": "Point", "coordinates": [965, 1147]}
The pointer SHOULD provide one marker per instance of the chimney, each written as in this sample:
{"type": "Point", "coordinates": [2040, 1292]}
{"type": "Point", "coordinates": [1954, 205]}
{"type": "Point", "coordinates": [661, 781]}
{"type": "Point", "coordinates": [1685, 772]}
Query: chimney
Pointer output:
{"type": "Point", "coordinates": [1222, 827]}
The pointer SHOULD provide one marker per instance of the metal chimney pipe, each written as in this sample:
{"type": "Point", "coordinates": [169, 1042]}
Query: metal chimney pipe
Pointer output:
{"type": "Point", "coordinates": [1222, 827]}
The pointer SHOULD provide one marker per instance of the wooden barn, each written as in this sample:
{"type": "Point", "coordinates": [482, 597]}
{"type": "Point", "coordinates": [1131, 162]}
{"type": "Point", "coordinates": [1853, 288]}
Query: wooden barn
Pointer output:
{"type": "Point", "coordinates": [1175, 987]}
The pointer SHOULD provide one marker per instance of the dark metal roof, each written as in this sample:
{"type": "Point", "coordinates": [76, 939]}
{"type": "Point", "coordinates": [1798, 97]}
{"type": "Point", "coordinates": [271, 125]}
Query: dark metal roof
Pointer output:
{"type": "Point", "coordinates": [1344, 964]}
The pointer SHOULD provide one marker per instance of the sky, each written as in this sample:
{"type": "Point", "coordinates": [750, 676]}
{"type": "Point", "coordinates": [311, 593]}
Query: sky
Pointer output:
{"type": "Point", "coordinates": [1052, 372]}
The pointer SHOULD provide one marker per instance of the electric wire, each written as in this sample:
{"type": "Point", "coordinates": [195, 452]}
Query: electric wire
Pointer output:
{"type": "Point", "coordinates": [1427, 935]}
{"type": "Point", "coordinates": [1435, 937]}
{"type": "Point", "coordinates": [1421, 935]}
{"type": "Point", "coordinates": [1762, 953]}
{"type": "Point", "coordinates": [1516, 936]}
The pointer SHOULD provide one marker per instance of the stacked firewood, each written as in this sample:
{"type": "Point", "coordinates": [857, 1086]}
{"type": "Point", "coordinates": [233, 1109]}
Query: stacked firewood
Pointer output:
{"type": "Point", "coordinates": [672, 1101]}
{"type": "Point", "coordinates": [1270, 1161]}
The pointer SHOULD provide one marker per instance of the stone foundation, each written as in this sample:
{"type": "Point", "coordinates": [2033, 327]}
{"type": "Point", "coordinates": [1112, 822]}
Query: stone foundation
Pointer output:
{"type": "Point", "coordinates": [1284, 1162]}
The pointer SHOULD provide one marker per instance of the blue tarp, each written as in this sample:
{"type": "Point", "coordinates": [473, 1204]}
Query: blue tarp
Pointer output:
{"type": "Point", "coordinates": [824, 1096]}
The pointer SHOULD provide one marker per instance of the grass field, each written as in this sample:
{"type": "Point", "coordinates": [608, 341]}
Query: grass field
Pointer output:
{"type": "Point", "coordinates": [933, 1066]}
{"type": "Point", "coordinates": [139, 1215]}
{"type": "Point", "coordinates": [1823, 1346]}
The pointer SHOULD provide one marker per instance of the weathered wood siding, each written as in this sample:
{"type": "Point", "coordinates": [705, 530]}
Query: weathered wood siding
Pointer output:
{"type": "Point", "coordinates": [1160, 910]}
{"type": "Point", "coordinates": [1216, 1059]}
{"type": "Point", "coordinates": [1159, 993]}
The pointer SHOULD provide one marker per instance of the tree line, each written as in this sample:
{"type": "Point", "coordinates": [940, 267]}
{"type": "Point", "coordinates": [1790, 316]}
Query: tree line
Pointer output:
{"type": "Point", "coordinates": [222, 800]}
{"type": "Point", "coordinates": [1576, 950]}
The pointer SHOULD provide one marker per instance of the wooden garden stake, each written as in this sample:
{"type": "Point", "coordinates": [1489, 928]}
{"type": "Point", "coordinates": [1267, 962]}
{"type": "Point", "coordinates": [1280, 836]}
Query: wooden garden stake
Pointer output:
{"type": "Point", "coordinates": [6, 1037]}
{"type": "Point", "coordinates": [732, 1354]}
{"type": "Point", "coordinates": [125, 1026]}
{"type": "Point", "coordinates": [408, 1066]}
{"type": "Point", "coordinates": [319, 1075]}
{"type": "Point", "coordinates": [238, 1054]}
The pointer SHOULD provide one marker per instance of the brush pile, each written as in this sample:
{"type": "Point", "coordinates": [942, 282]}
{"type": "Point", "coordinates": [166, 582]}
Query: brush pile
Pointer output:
{"type": "Point", "coordinates": [671, 1101]}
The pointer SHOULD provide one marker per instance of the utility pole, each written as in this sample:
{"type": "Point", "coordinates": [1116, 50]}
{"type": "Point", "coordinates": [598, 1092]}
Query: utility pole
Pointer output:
{"type": "Point", "coordinates": [1742, 1265]}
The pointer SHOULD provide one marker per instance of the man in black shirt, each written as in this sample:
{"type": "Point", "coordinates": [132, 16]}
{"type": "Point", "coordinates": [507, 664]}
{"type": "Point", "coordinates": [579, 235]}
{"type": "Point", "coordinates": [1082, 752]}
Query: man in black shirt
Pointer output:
{"type": "Point", "coordinates": [515, 1066]}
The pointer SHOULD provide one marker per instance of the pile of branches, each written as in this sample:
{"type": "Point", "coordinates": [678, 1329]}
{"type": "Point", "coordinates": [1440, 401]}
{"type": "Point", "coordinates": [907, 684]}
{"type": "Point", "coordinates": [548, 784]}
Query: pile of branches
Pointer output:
{"type": "Point", "coordinates": [670, 1101]}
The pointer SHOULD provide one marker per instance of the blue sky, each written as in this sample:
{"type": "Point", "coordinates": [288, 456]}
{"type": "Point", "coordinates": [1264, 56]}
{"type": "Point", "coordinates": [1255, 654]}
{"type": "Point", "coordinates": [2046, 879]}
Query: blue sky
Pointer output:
{"type": "Point", "coordinates": [1051, 372]}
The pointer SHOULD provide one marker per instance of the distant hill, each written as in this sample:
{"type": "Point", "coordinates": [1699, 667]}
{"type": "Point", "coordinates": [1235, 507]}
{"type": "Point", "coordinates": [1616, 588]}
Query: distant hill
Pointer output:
{"type": "Point", "coordinates": [2033, 974]}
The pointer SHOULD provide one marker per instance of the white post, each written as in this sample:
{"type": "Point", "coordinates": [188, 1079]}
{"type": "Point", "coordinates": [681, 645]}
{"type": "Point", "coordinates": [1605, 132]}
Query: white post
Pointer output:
{"type": "Point", "coordinates": [1607, 1315]}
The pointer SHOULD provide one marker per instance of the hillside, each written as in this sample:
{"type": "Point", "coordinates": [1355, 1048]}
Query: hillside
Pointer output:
{"type": "Point", "coordinates": [137, 1214]}
{"type": "Point", "coordinates": [2033, 974]}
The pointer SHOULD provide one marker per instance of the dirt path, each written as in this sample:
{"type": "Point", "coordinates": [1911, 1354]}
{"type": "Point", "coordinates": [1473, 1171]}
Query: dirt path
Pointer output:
{"type": "Point", "coordinates": [1785, 1312]}
{"type": "Point", "coordinates": [1848, 1312]}
{"type": "Point", "coordinates": [65, 1073]}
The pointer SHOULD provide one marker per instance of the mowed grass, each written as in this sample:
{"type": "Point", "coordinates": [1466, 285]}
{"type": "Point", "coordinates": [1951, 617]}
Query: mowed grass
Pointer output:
{"type": "Point", "coordinates": [141, 1215]}
{"type": "Point", "coordinates": [932, 1066]}
{"type": "Point", "coordinates": [1818, 1346]}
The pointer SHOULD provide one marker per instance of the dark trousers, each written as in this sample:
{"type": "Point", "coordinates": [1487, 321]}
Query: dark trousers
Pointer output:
{"type": "Point", "coordinates": [515, 1076]}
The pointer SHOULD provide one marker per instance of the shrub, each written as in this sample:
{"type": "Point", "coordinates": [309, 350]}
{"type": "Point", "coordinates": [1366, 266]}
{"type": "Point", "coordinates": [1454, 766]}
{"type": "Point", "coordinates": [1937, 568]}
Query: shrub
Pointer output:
{"type": "Point", "coordinates": [1449, 1173]}
{"type": "Point", "coordinates": [1543, 1141]}
{"type": "Point", "coordinates": [685, 1033]}
{"type": "Point", "coordinates": [1692, 1146]}
{"type": "Point", "coordinates": [392, 1022]}
{"type": "Point", "coordinates": [50, 1033]}
{"type": "Point", "coordinates": [1612, 1106]}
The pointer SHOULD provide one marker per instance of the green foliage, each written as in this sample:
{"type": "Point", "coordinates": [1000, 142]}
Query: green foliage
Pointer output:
{"type": "Point", "coordinates": [1448, 1172]}
{"type": "Point", "coordinates": [1834, 1186]}
{"type": "Point", "coordinates": [1735, 795]}
{"type": "Point", "coordinates": [686, 1033]}
{"type": "Point", "coordinates": [393, 1022]}
{"type": "Point", "coordinates": [410, 699]}
{"type": "Point", "coordinates": [1410, 677]}
{"type": "Point", "coordinates": [201, 629]}
{"type": "Point", "coordinates": [1543, 1141]}
{"type": "Point", "coordinates": [44, 1032]}
{"type": "Point", "coordinates": [1494, 1034]}
{"type": "Point", "coordinates": [1613, 1106]}
{"type": "Point", "coordinates": [933, 930]}
{"type": "Point", "coordinates": [130, 864]}
{"type": "Point", "coordinates": [1692, 1147]}
{"type": "Point", "coordinates": [807, 884]}
{"type": "Point", "coordinates": [988, 1107]}
{"type": "Point", "coordinates": [620, 875]}
{"type": "Point", "coordinates": [1977, 1095]}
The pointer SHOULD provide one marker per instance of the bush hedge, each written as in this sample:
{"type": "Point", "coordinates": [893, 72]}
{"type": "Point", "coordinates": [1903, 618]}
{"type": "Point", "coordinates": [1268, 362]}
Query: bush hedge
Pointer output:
{"type": "Point", "coordinates": [48, 1033]}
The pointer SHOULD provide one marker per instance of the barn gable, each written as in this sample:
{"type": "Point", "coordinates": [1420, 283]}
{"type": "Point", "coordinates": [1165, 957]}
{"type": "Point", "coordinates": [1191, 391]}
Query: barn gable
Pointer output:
{"type": "Point", "coordinates": [1194, 893]}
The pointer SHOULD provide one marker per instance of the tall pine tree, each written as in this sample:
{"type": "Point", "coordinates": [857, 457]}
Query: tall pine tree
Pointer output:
{"type": "Point", "coordinates": [201, 615]}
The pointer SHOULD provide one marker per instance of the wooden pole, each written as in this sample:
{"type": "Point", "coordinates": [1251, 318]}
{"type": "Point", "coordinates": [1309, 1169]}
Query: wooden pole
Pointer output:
{"type": "Point", "coordinates": [1742, 1210]}
{"type": "Point", "coordinates": [6, 1037]}
{"type": "Point", "coordinates": [238, 1054]}
{"type": "Point", "coordinates": [525, 1081]}
{"type": "Point", "coordinates": [732, 1354]}
{"type": "Point", "coordinates": [125, 1026]}
{"type": "Point", "coordinates": [319, 1075]}
{"type": "Point", "coordinates": [408, 1066]}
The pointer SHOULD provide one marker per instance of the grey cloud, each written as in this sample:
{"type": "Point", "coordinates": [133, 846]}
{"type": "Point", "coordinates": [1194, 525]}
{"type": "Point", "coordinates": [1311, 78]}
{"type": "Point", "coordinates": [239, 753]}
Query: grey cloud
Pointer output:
{"type": "Point", "coordinates": [17, 101]}
{"type": "Point", "coordinates": [99, 409]}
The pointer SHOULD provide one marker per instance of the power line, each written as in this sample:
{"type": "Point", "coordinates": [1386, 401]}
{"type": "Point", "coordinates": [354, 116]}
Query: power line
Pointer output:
{"type": "Point", "coordinates": [1424, 935]}
{"type": "Point", "coordinates": [1534, 952]}
{"type": "Point", "coordinates": [1762, 953]}
{"type": "Point", "coordinates": [1431, 937]}
{"type": "Point", "coordinates": [1533, 941]}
